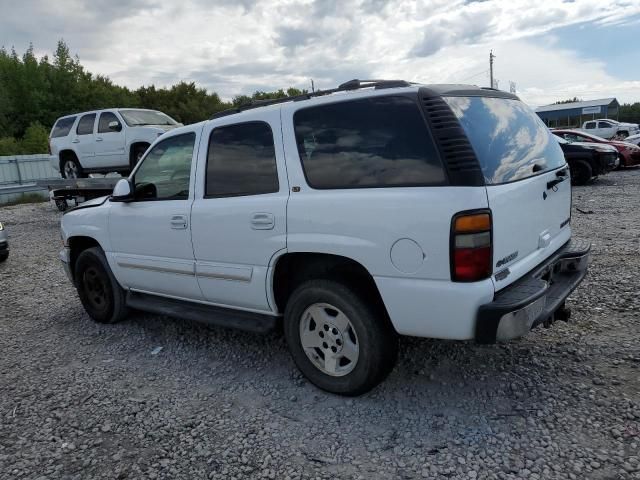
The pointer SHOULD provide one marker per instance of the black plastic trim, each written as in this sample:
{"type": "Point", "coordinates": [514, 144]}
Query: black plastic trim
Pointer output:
{"type": "Point", "coordinates": [456, 151]}
{"type": "Point", "coordinates": [212, 315]}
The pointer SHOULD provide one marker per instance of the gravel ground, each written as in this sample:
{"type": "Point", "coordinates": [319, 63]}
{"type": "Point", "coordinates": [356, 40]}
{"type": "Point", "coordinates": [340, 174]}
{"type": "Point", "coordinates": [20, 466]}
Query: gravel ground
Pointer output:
{"type": "Point", "coordinates": [80, 400]}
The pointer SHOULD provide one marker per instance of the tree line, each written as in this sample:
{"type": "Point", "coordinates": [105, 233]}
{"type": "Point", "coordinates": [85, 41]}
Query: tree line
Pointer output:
{"type": "Point", "coordinates": [35, 92]}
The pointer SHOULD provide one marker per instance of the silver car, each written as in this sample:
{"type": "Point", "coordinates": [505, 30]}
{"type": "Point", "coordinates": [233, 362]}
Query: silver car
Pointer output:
{"type": "Point", "coordinates": [4, 244]}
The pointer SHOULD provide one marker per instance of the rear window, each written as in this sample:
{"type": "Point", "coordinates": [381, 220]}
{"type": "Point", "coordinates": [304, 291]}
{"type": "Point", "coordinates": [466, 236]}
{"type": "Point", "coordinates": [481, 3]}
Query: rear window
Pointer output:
{"type": "Point", "coordinates": [509, 139]}
{"type": "Point", "coordinates": [62, 127]}
{"type": "Point", "coordinates": [372, 142]}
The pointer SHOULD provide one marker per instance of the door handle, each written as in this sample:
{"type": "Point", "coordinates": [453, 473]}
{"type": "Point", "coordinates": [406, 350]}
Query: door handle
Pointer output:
{"type": "Point", "coordinates": [179, 222]}
{"type": "Point", "coordinates": [263, 221]}
{"type": "Point", "coordinates": [75, 140]}
{"type": "Point", "coordinates": [99, 139]}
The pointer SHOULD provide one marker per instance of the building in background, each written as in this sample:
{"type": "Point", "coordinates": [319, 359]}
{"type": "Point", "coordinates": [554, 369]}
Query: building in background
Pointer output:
{"type": "Point", "coordinates": [576, 113]}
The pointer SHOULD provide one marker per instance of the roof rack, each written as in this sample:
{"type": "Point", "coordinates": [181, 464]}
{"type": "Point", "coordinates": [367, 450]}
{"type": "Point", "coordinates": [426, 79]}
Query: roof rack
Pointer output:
{"type": "Point", "coordinates": [346, 86]}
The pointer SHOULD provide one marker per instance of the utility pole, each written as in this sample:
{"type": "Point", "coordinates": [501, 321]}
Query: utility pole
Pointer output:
{"type": "Point", "coordinates": [313, 87]}
{"type": "Point", "coordinates": [491, 57]}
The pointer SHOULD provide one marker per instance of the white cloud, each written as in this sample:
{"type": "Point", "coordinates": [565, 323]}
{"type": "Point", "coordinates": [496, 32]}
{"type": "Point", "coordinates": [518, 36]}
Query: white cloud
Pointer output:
{"type": "Point", "coordinates": [236, 47]}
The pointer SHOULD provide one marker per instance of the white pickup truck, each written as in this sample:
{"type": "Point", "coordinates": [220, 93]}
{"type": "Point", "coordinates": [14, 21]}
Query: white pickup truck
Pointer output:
{"type": "Point", "coordinates": [349, 217]}
{"type": "Point", "coordinates": [607, 128]}
{"type": "Point", "coordinates": [104, 141]}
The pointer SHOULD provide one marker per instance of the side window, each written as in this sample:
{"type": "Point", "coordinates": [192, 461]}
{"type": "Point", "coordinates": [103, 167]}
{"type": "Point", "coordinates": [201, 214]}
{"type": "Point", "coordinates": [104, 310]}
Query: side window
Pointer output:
{"type": "Point", "coordinates": [166, 170]}
{"type": "Point", "coordinates": [62, 127]}
{"type": "Point", "coordinates": [590, 125]}
{"type": "Point", "coordinates": [604, 125]}
{"type": "Point", "coordinates": [241, 160]}
{"type": "Point", "coordinates": [373, 142]}
{"type": "Point", "coordinates": [105, 119]}
{"type": "Point", "coordinates": [85, 125]}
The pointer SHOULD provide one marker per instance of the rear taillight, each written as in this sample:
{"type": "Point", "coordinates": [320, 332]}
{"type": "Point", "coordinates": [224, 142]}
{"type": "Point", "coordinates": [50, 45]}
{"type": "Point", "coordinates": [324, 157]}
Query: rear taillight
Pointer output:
{"type": "Point", "coordinates": [471, 246]}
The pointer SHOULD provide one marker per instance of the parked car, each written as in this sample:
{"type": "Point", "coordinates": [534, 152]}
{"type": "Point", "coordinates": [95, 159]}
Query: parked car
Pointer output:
{"type": "Point", "coordinates": [607, 128]}
{"type": "Point", "coordinates": [635, 139]}
{"type": "Point", "coordinates": [588, 160]}
{"type": "Point", "coordinates": [352, 215]}
{"type": "Point", "coordinates": [4, 244]}
{"type": "Point", "coordinates": [628, 152]}
{"type": "Point", "coordinates": [104, 141]}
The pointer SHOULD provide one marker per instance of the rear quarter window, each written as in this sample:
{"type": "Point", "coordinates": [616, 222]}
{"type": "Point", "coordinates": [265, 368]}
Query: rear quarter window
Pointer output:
{"type": "Point", "coordinates": [373, 142]}
{"type": "Point", "coordinates": [510, 141]}
{"type": "Point", "coordinates": [62, 127]}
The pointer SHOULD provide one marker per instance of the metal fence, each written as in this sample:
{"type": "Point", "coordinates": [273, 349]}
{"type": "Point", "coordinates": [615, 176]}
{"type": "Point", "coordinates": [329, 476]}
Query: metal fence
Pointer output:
{"type": "Point", "coordinates": [18, 174]}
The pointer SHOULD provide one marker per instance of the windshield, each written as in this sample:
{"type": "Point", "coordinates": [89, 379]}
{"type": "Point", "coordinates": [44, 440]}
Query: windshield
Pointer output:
{"type": "Point", "coordinates": [136, 118]}
{"type": "Point", "coordinates": [509, 139]}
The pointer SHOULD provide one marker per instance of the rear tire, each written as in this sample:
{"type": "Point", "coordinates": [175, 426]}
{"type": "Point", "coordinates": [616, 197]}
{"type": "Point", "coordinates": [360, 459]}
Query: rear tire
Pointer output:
{"type": "Point", "coordinates": [71, 168]}
{"type": "Point", "coordinates": [342, 342]}
{"type": "Point", "coordinates": [101, 295]}
{"type": "Point", "coordinates": [4, 256]}
{"type": "Point", "coordinates": [136, 155]}
{"type": "Point", "coordinates": [581, 172]}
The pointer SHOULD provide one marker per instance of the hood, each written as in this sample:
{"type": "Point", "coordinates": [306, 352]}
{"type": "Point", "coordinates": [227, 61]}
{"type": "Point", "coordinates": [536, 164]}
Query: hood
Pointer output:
{"type": "Point", "coordinates": [601, 147]}
{"type": "Point", "coordinates": [95, 202]}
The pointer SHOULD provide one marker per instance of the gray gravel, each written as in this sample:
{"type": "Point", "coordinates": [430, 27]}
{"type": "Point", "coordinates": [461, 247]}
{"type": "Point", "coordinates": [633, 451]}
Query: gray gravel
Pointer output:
{"type": "Point", "coordinates": [81, 401]}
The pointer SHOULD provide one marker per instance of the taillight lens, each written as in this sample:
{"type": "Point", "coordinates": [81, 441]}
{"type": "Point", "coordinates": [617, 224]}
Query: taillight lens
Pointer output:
{"type": "Point", "coordinates": [471, 246]}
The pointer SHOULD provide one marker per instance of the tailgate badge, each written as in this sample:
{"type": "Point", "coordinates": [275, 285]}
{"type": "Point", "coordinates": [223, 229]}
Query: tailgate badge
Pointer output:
{"type": "Point", "coordinates": [507, 259]}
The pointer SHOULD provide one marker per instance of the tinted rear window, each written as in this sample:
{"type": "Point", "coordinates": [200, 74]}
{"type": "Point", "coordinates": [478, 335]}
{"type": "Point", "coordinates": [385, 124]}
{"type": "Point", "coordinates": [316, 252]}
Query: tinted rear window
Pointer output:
{"type": "Point", "coordinates": [509, 139]}
{"type": "Point", "coordinates": [62, 127]}
{"type": "Point", "coordinates": [85, 125]}
{"type": "Point", "coordinates": [241, 161]}
{"type": "Point", "coordinates": [372, 142]}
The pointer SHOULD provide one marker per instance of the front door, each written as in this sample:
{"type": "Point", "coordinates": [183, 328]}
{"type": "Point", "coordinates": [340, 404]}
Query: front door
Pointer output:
{"type": "Point", "coordinates": [84, 141]}
{"type": "Point", "coordinates": [239, 215]}
{"type": "Point", "coordinates": [151, 236]}
{"type": "Point", "coordinates": [110, 142]}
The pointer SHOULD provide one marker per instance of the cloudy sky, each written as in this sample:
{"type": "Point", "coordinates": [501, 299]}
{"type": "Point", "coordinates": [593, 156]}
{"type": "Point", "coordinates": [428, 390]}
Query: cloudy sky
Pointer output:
{"type": "Point", "coordinates": [551, 49]}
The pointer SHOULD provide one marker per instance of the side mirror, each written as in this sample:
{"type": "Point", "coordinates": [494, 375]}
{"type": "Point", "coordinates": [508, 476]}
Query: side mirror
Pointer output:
{"type": "Point", "coordinates": [115, 126]}
{"type": "Point", "coordinates": [123, 191]}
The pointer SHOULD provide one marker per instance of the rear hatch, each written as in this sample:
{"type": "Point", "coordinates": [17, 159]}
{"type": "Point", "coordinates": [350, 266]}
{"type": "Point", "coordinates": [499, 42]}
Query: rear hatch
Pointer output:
{"type": "Point", "coordinates": [527, 182]}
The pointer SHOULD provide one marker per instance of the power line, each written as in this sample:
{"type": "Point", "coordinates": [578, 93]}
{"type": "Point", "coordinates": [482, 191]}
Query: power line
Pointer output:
{"type": "Point", "coordinates": [484, 72]}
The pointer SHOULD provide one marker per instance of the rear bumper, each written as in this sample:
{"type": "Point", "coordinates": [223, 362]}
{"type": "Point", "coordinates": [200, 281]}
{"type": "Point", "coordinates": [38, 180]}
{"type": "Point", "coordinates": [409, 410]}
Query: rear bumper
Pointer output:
{"type": "Point", "coordinates": [536, 298]}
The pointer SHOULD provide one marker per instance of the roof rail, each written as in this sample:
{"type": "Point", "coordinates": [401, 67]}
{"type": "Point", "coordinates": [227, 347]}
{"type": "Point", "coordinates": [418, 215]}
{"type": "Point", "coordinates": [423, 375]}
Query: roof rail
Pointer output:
{"type": "Point", "coordinates": [346, 86]}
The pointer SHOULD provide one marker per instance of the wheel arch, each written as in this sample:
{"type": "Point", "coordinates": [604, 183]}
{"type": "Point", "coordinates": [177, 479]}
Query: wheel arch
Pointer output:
{"type": "Point", "coordinates": [292, 269]}
{"type": "Point", "coordinates": [78, 244]}
{"type": "Point", "coordinates": [134, 146]}
{"type": "Point", "coordinates": [67, 154]}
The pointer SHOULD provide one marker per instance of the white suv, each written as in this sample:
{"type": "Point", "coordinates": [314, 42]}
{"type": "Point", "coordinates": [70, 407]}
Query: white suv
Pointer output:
{"type": "Point", "coordinates": [104, 141]}
{"type": "Point", "coordinates": [352, 216]}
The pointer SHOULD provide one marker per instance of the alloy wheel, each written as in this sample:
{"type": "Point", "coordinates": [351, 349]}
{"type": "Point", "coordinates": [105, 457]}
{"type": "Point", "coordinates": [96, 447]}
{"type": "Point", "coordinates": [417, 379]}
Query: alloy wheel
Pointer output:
{"type": "Point", "coordinates": [329, 339]}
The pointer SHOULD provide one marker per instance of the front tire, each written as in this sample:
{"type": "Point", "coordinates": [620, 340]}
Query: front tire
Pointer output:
{"type": "Point", "coordinates": [581, 172]}
{"type": "Point", "coordinates": [342, 342]}
{"type": "Point", "coordinates": [100, 294]}
{"type": "Point", "coordinates": [137, 154]}
{"type": "Point", "coordinates": [4, 256]}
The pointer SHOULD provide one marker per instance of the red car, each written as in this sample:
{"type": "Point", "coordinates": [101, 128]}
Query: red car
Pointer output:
{"type": "Point", "coordinates": [629, 153]}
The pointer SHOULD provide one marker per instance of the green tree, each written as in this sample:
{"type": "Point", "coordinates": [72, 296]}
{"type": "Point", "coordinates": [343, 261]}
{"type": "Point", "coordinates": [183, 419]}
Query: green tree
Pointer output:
{"type": "Point", "coordinates": [35, 140]}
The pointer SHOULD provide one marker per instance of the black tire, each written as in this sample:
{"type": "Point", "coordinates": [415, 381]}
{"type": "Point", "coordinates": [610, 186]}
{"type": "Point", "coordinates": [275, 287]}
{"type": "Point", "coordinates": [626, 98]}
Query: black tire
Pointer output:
{"type": "Point", "coordinates": [61, 204]}
{"type": "Point", "coordinates": [69, 164]}
{"type": "Point", "coordinates": [581, 172]}
{"type": "Point", "coordinates": [376, 339]}
{"type": "Point", "coordinates": [4, 256]}
{"type": "Point", "coordinates": [100, 294]}
{"type": "Point", "coordinates": [623, 134]}
{"type": "Point", "coordinates": [136, 155]}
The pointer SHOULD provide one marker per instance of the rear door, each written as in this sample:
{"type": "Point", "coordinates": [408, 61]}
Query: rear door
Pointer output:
{"type": "Point", "coordinates": [84, 141]}
{"type": "Point", "coordinates": [528, 184]}
{"type": "Point", "coordinates": [238, 218]}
